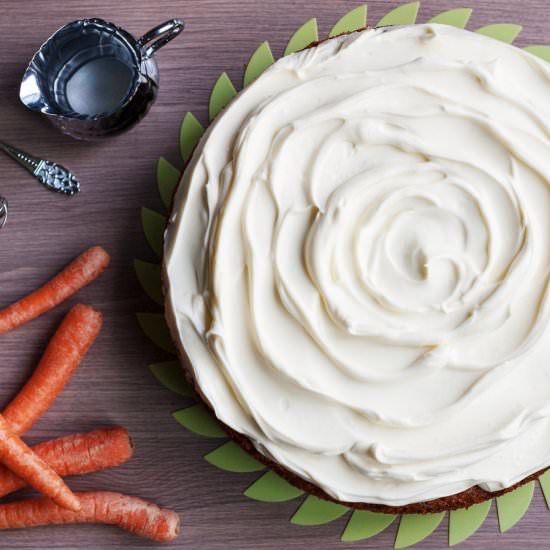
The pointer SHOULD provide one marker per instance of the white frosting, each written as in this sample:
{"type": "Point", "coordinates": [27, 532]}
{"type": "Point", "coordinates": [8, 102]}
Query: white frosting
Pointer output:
{"type": "Point", "coordinates": [358, 260]}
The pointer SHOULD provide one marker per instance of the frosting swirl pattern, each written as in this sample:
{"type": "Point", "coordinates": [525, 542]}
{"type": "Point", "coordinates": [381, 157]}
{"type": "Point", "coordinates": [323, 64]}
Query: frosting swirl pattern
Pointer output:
{"type": "Point", "coordinates": [358, 262]}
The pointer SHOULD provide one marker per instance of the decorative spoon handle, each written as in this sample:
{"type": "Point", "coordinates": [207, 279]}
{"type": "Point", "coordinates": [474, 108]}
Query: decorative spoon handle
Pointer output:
{"type": "Point", "coordinates": [51, 175]}
{"type": "Point", "coordinates": [3, 212]}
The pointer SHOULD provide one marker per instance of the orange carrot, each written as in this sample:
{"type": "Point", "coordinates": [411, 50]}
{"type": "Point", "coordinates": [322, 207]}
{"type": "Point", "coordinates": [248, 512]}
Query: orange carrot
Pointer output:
{"type": "Point", "coordinates": [80, 272]}
{"type": "Point", "coordinates": [17, 456]}
{"type": "Point", "coordinates": [69, 344]}
{"type": "Point", "coordinates": [130, 513]}
{"type": "Point", "coordinates": [77, 454]}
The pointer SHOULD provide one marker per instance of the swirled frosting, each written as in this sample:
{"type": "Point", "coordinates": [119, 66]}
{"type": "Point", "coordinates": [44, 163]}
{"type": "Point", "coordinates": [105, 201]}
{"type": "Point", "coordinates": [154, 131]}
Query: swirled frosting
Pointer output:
{"type": "Point", "coordinates": [358, 261]}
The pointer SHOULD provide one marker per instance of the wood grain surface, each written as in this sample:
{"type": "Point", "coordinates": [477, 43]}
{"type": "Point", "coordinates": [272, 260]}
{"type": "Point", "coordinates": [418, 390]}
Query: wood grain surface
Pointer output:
{"type": "Point", "coordinates": [114, 386]}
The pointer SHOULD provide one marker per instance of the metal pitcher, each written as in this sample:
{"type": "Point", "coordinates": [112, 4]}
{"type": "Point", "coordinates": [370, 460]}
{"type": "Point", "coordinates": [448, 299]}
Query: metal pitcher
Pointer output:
{"type": "Point", "coordinates": [94, 79]}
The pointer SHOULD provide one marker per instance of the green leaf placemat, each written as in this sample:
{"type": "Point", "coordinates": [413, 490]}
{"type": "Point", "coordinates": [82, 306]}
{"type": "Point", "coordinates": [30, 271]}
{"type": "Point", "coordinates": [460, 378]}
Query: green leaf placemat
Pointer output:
{"type": "Point", "coordinates": [198, 419]}
{"type": "Point", "coordinates": [364, 525]}
{"type": "Point", "coordinates": [170, 375]}
{"type": "Point", "coordinates": [232, 458]}
{"type": "Point", "coordinates": [270, 487]}
{"type": "Point", "coordinates": [416, 527]}
{"type": "Point", "coordinates": [259, 61]}
{"type": "Point", "coordinates": [316, 511]}
{"type": "Point", "coordinates": [464, 523]}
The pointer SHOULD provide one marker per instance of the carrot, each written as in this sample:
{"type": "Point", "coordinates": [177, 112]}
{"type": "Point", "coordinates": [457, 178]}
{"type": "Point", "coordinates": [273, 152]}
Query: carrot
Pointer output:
{"type": "Point", "coordinates": [77, 454]}
{"type": "Point", "coordinates": [69, 344]}
{"type": "Point", "coordinates": [130, 513]}
{"type": "Point", "coordinates": [80, 272]}
{"type": "Point", "coordinates": [17, 456]}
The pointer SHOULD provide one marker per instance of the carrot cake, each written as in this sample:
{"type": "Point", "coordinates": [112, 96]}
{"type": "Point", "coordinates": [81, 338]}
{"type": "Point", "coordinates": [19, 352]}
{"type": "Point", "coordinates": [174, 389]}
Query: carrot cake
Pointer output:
{"type": "Point", "coordinates": [357, 266]}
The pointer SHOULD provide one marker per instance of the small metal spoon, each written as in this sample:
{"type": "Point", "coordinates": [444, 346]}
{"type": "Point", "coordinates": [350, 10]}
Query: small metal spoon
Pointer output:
{"type": "Point", "coordinates": [51, 175]}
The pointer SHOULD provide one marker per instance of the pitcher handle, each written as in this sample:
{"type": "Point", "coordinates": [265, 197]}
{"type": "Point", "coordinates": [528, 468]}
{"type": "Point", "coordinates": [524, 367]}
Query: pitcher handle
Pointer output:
{"type": "Point", "coordinates": [160, 36]}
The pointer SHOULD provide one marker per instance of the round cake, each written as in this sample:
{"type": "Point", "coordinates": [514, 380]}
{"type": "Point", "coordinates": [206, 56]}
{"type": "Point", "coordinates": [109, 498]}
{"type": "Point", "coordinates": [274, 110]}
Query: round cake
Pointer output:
{"type": "Point", "coordinates": [357, 266]}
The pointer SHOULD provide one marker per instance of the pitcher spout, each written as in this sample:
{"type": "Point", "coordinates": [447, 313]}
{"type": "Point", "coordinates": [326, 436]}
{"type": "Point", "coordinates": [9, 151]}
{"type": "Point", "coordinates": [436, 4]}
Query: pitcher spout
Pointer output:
{"type": "Point", "coordinates": [36, 91]}
{"type": "Point", "coordinates": [32, 94]}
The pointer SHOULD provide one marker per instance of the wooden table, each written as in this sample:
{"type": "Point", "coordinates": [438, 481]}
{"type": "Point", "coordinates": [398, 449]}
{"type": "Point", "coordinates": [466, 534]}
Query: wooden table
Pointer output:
{"type": "Point", "coordinates": [114, 385]}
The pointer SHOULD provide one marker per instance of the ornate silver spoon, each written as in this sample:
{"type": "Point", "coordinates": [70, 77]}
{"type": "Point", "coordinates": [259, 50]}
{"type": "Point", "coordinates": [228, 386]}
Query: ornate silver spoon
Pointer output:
{"type": "Point", "coordinates": [3, 212]}
{"type": "Point", "coordinates": [51, 175]}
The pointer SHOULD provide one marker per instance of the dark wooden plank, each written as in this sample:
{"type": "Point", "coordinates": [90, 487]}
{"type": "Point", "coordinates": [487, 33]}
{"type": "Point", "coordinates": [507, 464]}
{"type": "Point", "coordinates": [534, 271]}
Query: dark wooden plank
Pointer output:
{"type": "Point", "coordinates": [114, 385]}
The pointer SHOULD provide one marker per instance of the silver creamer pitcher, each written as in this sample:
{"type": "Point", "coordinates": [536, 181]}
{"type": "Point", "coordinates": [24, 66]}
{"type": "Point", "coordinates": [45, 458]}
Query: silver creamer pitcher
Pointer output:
{"type": "Point", "coordinates": [93, 79]}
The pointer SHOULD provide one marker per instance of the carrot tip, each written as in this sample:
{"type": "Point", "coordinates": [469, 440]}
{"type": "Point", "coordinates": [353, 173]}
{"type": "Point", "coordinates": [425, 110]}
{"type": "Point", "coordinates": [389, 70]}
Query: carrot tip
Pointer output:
{"type": "Point", "coordinates": [73, 505]}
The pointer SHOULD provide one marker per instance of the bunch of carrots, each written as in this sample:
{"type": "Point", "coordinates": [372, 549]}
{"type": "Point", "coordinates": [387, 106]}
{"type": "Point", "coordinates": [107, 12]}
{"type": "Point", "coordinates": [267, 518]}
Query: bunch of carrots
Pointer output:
{"type": "Point", "coordinates": [44, 466]}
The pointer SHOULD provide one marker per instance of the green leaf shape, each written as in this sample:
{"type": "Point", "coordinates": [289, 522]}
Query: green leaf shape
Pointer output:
{"type": "Point", "coordinates": [303, 37]}
{"type": "Point", "coordinates": [540, 50]}
{"type": "Point", "coordinates": [198, 419]}
{"type": "Point", "coordinates": [316, 511]}
{"type": "Point", "coordinates": [457, 18]}
{"type": "Point", "coordinates": [170, 375]}
{"type": "Point", "coordinates": [511, 507]}
{"type": "Point", "coordinates": [272, 488]}
{"type": "Point", "coordinates": [364, 525]}
{"type": "Point", "coordinates": [544, 481]}
{"type": "Point", "coordinates": [352, 21]}
{"type": "Point", "coordinates": [222, 93]}
{"type": "Point", "coordinates": [259, 61]}
{"type": "Point", "coordinates": [465, 522]}
{"type": "Point", "coordinates": [402, 15]}
{"type": "Point", "coordinates": [231, 458]}
{"type": "Point", "coordinates": [148, 275]}
{"type": "Point", "coordinates": [416, 527]}
{"type": "Point", "coordinates": [153, 226]}
{"type": "Point", "coordinates": [154, 326]}
{"type": "Point", "coordinates": [168, 177]}
{"type": "Point", "coordinates": [191, 130]}
{"type": "Point", "coordinates": [505, 32]}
